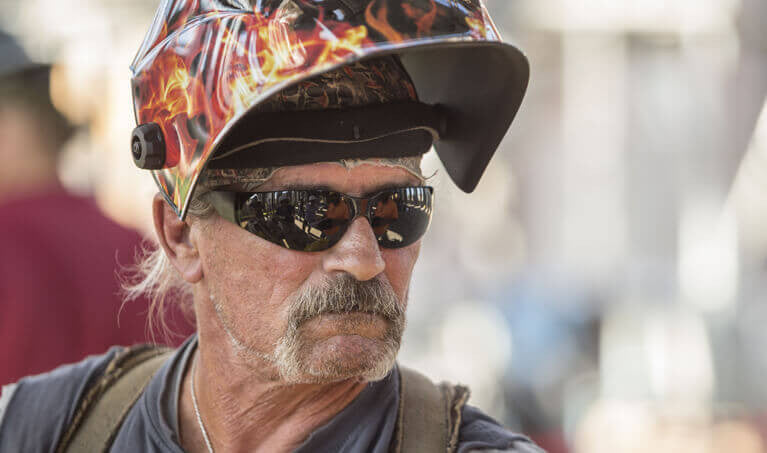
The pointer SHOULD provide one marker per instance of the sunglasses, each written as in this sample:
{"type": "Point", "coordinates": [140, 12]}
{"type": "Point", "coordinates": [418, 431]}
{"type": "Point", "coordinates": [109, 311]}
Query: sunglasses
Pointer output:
{"type": "Point", "coordinates": [315, 220]}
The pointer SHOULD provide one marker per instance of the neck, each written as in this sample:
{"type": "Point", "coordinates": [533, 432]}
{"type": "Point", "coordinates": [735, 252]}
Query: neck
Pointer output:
{"type": "Point", "coordinates": [241, 412]}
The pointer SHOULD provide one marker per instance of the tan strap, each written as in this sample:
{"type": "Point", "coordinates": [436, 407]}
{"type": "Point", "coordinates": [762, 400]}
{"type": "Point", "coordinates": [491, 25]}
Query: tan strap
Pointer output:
{"type": "Point", "coordinates": [429, 416]}
{"type": "Point", "coordinates": [104, 407]}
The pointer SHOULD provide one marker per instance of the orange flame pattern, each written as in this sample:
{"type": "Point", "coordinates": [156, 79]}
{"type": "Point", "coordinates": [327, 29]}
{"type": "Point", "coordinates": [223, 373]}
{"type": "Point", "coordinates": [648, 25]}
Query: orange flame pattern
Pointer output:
{"type": "Point", "coordinates": [205, 63]}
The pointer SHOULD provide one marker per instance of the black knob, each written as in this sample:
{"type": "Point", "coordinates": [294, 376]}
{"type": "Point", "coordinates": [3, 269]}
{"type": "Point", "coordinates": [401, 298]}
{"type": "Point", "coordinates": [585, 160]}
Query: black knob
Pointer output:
{"type": "Point", "coordinates": [148, 147]}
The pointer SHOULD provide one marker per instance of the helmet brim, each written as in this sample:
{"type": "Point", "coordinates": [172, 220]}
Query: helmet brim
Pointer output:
{"type": "Point", "coordinates": [481, 86]}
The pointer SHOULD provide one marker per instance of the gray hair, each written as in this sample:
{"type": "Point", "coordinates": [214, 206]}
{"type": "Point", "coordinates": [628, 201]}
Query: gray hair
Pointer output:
{"type": "Point", "coordinates": [154, 277]}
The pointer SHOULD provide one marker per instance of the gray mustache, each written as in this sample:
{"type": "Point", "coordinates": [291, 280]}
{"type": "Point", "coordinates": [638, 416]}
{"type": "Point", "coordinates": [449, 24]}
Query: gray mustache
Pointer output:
{"type": "Point", "coordinates": [343, 295]}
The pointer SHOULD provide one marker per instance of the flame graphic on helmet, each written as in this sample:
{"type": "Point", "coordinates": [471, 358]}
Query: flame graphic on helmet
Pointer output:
{"type": "Point", "coordinates": [206, 63]}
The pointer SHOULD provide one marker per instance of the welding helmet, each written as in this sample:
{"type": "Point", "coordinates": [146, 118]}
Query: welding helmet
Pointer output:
{"type": "Point", "coordinates": [206, 68]}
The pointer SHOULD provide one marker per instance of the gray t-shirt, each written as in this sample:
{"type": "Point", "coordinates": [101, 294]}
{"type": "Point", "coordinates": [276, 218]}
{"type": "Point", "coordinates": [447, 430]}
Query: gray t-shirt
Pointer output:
{"type": "Point", "coordinates": [39, 408]}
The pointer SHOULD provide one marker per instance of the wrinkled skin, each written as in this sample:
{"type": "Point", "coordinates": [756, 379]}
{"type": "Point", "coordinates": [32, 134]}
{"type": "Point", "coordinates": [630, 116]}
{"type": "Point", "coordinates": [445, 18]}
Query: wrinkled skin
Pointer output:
{"type": "Point", "coordinates": [242, 285]}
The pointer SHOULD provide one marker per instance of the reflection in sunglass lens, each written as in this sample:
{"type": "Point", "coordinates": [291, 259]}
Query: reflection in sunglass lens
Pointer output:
{"type": "Point", "coordinates": [313, 220]}
{"type": "Point", "coordinates": [298, 220]}
{"type": "Point", "coordinates": [326, 216]}
{"type": "Point", "coordinates": [401, 217]}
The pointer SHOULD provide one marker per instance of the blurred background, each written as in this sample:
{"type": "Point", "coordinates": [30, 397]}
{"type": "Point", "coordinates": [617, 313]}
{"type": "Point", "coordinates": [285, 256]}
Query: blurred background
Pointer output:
{"type": "Point", "coordinates": [602, 289]}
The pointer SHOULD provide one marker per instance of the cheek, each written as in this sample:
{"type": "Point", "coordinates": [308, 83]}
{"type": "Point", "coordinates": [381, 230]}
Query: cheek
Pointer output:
{"type": "Point", "coordinates": [239, 266]}
{"type": "Point", "coordinates": [399, 267]}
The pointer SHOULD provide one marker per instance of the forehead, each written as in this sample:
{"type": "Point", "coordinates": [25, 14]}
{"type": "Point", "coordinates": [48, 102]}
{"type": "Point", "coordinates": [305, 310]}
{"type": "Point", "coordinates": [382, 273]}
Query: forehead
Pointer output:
{"type": "Point", "coordinates": [358, 180]}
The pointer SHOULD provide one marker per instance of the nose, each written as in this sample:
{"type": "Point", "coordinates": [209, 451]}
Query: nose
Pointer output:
{"type": "Point", "coordinates": [357, 253]}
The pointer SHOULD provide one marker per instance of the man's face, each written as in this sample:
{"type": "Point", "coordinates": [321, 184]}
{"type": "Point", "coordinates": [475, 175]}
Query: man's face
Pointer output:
{"type": "Point", "coordinates": [307, 317]}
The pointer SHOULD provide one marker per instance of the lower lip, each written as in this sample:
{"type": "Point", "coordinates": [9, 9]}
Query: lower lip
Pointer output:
{"type": "Point", "coordinates": [351, 323]}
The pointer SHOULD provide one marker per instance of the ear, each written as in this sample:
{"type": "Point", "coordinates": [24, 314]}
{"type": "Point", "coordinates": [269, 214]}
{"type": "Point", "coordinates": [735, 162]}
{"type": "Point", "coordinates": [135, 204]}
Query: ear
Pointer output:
{"type": "Point", "coordinates": [173, 235]}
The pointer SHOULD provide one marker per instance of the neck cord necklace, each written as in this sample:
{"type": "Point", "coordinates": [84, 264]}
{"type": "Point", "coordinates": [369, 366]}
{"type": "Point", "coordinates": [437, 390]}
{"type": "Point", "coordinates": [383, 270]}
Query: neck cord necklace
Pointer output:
{"type": "Point", "coordinates": [197, 409]}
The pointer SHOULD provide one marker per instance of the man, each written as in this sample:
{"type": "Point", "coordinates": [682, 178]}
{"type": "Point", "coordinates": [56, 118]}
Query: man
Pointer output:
{"type": "Point", "coordinates": [58, 252]}
{"type": "Point", "coordinates": [286, 140]}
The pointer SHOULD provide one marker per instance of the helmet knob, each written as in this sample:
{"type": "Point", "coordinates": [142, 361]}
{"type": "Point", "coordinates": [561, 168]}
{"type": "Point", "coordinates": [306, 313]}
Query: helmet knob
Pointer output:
{"type": "Point", "coordinates": [148, 147]}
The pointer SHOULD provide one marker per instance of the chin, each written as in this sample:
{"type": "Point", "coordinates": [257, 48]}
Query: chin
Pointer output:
{"type": "Point", "coordinates": [353, 356]}
{"type": "Point", "coordinates": [340, 358]}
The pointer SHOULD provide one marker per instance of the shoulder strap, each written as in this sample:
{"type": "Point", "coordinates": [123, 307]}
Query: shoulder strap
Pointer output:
{"type": "Point", "coordinates": [429, 416]}
{"type": "Point", "coordinates": [105, 405]}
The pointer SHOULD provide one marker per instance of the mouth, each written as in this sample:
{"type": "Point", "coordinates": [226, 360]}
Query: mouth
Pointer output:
{"type": "Point", "coordinates": [354, 309]}
{"type": "Point", "coordinates": [347, 323]}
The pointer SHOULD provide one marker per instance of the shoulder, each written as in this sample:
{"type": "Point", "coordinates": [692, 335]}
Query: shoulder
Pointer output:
{"type": "Point", "coordinates": [481, 433]}
{"type": "Point", "coordinates": [36, 410]}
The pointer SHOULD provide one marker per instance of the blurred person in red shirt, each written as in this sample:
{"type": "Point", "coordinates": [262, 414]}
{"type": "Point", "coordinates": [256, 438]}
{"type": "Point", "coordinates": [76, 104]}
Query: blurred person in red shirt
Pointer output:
{"type": "Point", "coordinates": [59, 292]}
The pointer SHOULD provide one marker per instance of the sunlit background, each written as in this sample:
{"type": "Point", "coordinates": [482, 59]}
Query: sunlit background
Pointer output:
{"type": "Point", "coordinates": [602, 289]}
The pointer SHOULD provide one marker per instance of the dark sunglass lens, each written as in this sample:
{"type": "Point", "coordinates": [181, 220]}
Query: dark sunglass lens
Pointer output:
{"type": "Point", "coordinates": [326, 216]}
{"type": "Point", "coordinates": [401, 217]}
{"type": "Point", "coordinates": [271, 216]}
{"type": "Point", "coordinates": [298, 220]}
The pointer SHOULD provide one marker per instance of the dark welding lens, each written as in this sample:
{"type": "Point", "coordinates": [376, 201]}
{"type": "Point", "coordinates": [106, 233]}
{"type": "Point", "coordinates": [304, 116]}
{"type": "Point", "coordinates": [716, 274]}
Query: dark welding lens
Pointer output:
{"type": "Point", "coordinates": [401, 217]}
